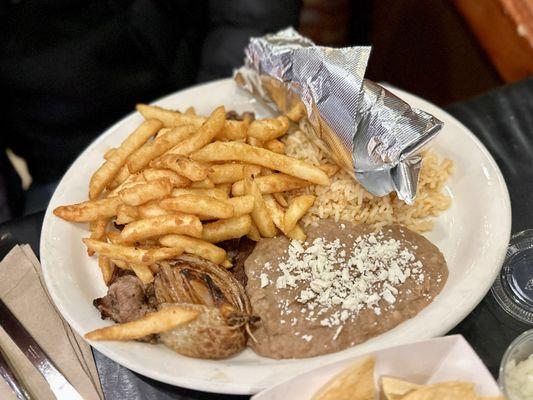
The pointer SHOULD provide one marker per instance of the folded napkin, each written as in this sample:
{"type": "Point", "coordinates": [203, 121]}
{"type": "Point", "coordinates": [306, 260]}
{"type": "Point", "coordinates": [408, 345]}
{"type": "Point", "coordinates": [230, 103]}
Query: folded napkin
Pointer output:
{"type": "Point", "coordinates": [23, 290]}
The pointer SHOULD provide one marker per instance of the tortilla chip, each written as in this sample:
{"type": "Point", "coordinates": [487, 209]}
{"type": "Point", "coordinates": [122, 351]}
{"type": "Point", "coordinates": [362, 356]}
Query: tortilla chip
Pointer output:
{"type": "Point", "coordinates": [395, 389]}
{"type": "Point", "coordinates": [354, 383]}
{"type": "Point", "coordinates": [454, 390]}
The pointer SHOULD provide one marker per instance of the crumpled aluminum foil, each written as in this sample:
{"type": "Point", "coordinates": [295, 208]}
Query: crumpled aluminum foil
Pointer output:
{"type": "Point", "coordinates": [365, 129]}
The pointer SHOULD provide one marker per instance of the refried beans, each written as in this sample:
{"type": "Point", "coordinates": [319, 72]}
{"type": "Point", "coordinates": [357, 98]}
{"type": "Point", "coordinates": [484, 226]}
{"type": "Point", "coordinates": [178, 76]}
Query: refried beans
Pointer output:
{"type": "Point", "coordinates": [344, 285]}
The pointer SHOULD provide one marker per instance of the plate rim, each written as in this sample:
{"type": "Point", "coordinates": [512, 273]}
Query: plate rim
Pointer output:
{"type": "Point", "coordinates": [230, 387]}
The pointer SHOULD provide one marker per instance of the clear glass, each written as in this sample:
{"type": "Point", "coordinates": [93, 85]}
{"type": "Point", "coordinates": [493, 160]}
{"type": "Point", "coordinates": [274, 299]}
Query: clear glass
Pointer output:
{"type": "Point", "coordinates": [513, 288]}
{"type": "Point", "coordinates": [518, 350]}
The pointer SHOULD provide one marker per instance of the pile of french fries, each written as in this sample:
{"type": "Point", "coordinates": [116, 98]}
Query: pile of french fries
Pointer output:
{"type": "Point", "coordinates": [182, 183]}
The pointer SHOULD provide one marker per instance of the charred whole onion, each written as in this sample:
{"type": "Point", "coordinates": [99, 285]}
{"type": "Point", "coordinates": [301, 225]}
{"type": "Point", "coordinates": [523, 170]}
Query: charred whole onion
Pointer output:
{"type": "Point", "coordinates": [225, 311]}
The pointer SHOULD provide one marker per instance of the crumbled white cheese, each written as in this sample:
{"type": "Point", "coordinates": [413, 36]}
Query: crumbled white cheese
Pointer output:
{"type": "Point", "coordinates": [337, 333]}
{"type": "Point", "coordinates": [350, 277]}
{"type": "Point", "coordinates": [281, 282]}
{"type": "Point", "coordinates": [264, 280]}
{"type": "Point", "coordinates": [307, 338]}
{"type": "Point", "coordinates": [389, 298]}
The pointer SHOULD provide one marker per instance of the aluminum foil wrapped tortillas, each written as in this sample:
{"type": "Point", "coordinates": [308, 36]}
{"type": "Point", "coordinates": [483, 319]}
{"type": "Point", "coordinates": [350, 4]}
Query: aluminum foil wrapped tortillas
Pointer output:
{"type": "Point", "coordinates": [364, 128]}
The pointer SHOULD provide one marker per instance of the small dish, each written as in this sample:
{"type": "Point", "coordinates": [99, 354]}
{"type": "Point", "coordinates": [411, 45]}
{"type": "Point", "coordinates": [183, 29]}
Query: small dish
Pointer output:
{"type": "Point", "coordinates": [513, 288]}
{"type": "Point", "coordinates": [519, 350]}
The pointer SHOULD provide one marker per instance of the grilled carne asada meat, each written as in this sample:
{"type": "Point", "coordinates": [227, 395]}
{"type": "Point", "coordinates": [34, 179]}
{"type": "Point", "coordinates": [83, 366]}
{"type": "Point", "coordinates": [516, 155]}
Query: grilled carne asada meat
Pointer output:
{"type": "Point", "coordinates": [225, 311]}
{"type": "Point", "coordinates": [125, 301]}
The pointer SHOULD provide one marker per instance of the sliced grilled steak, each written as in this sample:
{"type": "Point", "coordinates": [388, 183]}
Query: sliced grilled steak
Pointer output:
{"type": "Point", "coordinates": [125, 301]}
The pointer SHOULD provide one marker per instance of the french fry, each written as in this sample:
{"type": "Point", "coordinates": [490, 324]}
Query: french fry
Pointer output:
{"type": "Point", "coordinates": [204, 206]}
{"type": "Point", "coordinates": [225, 229]}
{"type": "Point", "coordinates": [119, 178]}
{"type": "Point", "coordinates": [143, 272]}
{"type": "Point", "coordinates": [276, 146]}
{"type": "Point", "coordinates": [132, 255]}
{"type": "Point", "coordinates": [159, 321]}
{"type": "Point", "coordinates": [178, 181]}
{"type": "Point", "coordinates": [190, 111]}
{"type": "Point", "coordinates": [163, 132]}
{"type": "Point", "coordinates": [259, 214]}
{"type": "Point", "coordinates": [170, 119]}
{"type": "Point", "coordinates": [190, 169]}
{"type": "Point", "coordinates": [162, 225]}
{"type": "Point", "coordinates": [252, 141]}
{"type": "Point", "coordinates": [233, 130]}
{"type": "Point", "coordinates": [131, 180]}
{"type": "Point", "coordinates": [108, 153]}
{"type": "Point", "coordinates": [273, 183]}
{"type": "Point", "coordinates": [162, 143]}
{"type": "Point", "coordinates": [226, 187]}
{"type": "Point", "coordinates": [121, 264]}
{"type": "Point", "coordinates": [297, 112]}
{"type": "Point", "coordinates": [195, 246]}
{"type": "Point", "coordinates": [280, 199]}
{"type": "Point", "coordinates": [268, 128]}
{"type": "Point", "coordinates": [329, 169]}
{"type": "Point", "coordinates": [275, 211]}
{"type": "Point", "coordinates": [98, 228]}
{"type": "Point", "coordinates": [277, 214]}
{"type": "Point", "coordinates": [231, 172]}
{"type": "Point", "coordinates": [113, 236]}
{"type": "Point", "coordinates": [205, 184]}
{"type": "Point", "coordinates": [106, 268]}
{"type": "Point", "coordinates": [216, 193]}
{"type": "Point", "coordinates": [140, 194]}
{"type": "Point", "coordinates": [297, 233]}
{"type": "Point", "coordinates": [298, 206]}
{"type": "Point", "coordinates": [152, 209]}
{"type": "Point", "coordinates": [254, 233]}
{"type": "Point", "coordinates": [125, 215]}
{"type": "Point", "coordinates": [89, 210]}
{"type": "Point", "coordinates": [109, 169]}
{"type": "Point", "coordinates": [204, 135]}
{"type": "Point", "coordinates": [248, 117]}
{"type": "Point", "coordinates": [234, 151]}
{"type": "Point", "coordinates": [241, 205]}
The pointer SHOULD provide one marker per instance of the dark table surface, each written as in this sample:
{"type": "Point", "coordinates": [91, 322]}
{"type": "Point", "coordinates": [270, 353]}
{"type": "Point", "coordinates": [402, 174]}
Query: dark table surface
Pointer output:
{"type": "Point", "coordinates": [502, 120]}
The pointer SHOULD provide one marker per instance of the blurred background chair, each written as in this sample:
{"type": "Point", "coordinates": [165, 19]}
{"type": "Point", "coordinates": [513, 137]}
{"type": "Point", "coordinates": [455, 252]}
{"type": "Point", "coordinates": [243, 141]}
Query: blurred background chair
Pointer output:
{"type": "Point", "coordinates": [505, 30]}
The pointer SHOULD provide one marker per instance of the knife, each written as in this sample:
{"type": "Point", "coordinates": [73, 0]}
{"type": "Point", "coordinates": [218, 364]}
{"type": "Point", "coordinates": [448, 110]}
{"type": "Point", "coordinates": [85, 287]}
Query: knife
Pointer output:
{"type": "Point", "coordinates": [59, 385]}
{"type": "Point", "coordinates": [9, 376]}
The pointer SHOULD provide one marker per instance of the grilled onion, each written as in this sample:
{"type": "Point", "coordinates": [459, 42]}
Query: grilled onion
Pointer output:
{"type": "Point", "coordinates": [225, 311]}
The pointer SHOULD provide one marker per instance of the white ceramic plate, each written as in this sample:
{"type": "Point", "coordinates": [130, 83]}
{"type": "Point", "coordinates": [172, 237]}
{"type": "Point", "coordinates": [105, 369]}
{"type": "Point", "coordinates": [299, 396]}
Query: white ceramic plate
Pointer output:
{"type": "Point", "coordinates": [472, 234]}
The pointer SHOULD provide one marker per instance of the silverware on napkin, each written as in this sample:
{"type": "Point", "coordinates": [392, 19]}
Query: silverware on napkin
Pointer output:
{"type": "Point", "coordinates": [23, 291]}
{"type": "Point", "coordinates": [10, 376]}
{"type": "Point", "coordinates": [59, 385]}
